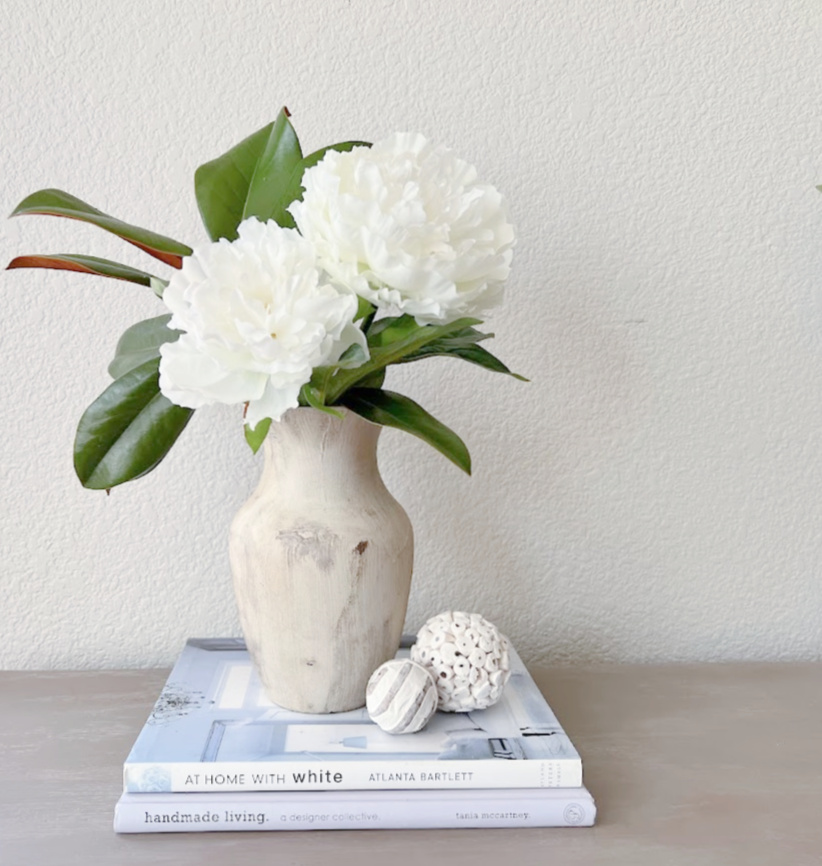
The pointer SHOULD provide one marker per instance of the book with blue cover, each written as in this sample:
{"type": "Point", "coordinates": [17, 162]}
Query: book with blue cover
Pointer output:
{"type": "Point", "coordinates": [213, 729]}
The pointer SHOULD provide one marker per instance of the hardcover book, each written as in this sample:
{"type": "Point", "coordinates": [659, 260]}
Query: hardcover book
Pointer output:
{"type": "Point", "coordinates": [354, 810]}
{"type": "Point", "coordinates": [213, 729]}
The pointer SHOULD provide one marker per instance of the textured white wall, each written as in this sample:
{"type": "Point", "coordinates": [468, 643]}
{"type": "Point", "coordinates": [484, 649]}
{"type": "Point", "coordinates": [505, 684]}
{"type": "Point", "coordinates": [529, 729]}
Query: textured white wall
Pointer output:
{"type": "Point", "coordinates": [653, 494]}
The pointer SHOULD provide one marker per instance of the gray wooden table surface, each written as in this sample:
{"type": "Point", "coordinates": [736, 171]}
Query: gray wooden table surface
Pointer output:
{"type": "Point", "coordinates": [690, 764]}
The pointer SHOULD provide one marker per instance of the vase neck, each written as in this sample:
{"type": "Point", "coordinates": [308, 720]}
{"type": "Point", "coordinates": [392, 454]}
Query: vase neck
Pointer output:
{"type": "Point", "coordinates": [317, 450]}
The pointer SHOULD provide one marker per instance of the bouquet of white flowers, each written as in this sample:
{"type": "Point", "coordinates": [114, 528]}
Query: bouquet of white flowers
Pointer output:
{"type": "Point", "coordinates": [321, 272]}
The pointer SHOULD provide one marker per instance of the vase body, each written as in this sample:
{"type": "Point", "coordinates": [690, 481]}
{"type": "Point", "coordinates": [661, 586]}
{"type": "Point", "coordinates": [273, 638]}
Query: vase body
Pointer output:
{"type": "Point", "coordinates": [321, 556]}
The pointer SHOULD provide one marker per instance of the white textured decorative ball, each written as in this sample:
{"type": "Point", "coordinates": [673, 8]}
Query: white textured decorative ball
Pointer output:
{"type": "Point", "coordinates": [401, 696]}
{"type": "Point", "coordinates": [468, 658]}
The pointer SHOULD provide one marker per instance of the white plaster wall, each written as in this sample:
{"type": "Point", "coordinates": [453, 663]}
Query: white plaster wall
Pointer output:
{"type": "Point", "coordinates": [653, 494]}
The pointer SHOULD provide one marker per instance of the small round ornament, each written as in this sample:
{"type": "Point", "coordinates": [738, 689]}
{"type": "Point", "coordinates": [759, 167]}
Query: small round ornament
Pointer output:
{"type": "Point", "coordinates": [468, 658]}
{"type": "Point", "coordinates": [401, 696]}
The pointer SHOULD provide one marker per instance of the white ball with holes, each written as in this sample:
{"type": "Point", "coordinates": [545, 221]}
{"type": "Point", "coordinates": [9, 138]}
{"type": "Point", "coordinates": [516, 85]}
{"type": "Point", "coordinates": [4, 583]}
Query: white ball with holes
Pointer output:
{"type": "Point", "coordinates": [467, 657]}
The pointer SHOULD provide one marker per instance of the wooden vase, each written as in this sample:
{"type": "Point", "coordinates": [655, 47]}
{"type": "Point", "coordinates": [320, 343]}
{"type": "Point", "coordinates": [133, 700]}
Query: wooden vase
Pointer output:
{"type": "Point", "coordinates": [321, 556]}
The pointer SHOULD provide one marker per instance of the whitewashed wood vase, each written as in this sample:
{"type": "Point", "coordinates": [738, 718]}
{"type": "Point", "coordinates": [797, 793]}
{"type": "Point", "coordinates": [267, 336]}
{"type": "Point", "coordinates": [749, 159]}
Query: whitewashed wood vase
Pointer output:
{"type": "Point", "coordinates": [321, 556]}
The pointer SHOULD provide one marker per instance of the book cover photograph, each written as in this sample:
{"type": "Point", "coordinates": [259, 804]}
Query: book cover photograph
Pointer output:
{"type": "Point", "coordinates": [213, 729]}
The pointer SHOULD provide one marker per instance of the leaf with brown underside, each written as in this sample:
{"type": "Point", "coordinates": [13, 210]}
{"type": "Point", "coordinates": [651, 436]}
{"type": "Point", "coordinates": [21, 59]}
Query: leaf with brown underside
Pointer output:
{"type": "Point", "coordinates": [55, 202]}
{"type": "Point", "coordinates": [90, 265]}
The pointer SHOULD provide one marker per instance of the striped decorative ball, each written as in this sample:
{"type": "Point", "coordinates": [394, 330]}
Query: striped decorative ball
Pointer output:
{"type": "Point", "coordinates": [468, 658]}
{"type": "Point", "coordinates": [401, 696]}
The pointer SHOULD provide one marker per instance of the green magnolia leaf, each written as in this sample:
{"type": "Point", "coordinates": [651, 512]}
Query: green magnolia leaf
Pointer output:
{"type": "Point", "coordinates": [310, 395]}
{"type": "Point", "coordinates": [392, 328]}
{"type": "Point", "coordinates": [90, 265]}
{"type": "Point", "coordinates": [389, 344]}
{"type": "Point", "coordinates": [55, 202]}
{"type": "Point", "coordinates": [483, 358]}
{"type": "Point", "coordinates": [248, 179]}
{"type": "Point", "coordinates": [255, 436]}
{"type": "Point", "coordinates": [375, 380]}
{"type": "Point", "coordinates": [127, 430]}
{"type": "Point", "coordinates": [279, 160]}
{"type": "Point", "coordinates": [390, 409]}
{"type": "Point", "coordinates": [365, 312]}
{"type": "Point", "coordinates": [313, 392]}
{"type": "Point", "coordinates": [353, 356]}
{"type": "Point", "coordinates": [261, 177]}
{"type": "Point", "coordinates": [293, 190]}
{"type": "Point", "coordinates": [457, 339]}
{"type": "Point", "coordinates": [472, 353]}
{"type": "Point", "coordinates": [141, 343]}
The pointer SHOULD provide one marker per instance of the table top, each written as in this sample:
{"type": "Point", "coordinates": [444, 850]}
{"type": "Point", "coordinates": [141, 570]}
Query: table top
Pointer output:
{"type": "Point", "coordinates": [689, 764]}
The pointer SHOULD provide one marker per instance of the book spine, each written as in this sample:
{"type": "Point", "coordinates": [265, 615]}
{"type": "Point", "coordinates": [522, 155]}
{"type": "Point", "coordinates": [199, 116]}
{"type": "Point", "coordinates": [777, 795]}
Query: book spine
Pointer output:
{"type": "Point", "coordinates": [181, 813]}
{"type": "Point", "coordinates": [352, 775]}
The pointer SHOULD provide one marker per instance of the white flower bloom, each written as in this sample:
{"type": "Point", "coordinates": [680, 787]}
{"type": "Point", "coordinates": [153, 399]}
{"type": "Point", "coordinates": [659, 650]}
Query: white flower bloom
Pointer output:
{"type": "Point", "coordinates": [257, 318]}
{"type": "Point", "coordinates": [407, 226]}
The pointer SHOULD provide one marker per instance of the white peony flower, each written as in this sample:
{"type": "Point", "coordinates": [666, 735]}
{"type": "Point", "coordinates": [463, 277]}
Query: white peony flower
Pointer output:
{"type": "Point", "coordinates": [257, 318]}
{"type": "Point", "coordinates": [407, 226]}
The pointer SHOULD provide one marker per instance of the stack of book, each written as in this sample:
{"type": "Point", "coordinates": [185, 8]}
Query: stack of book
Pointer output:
{"type": "Point", "coordinates": [216, 754]}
